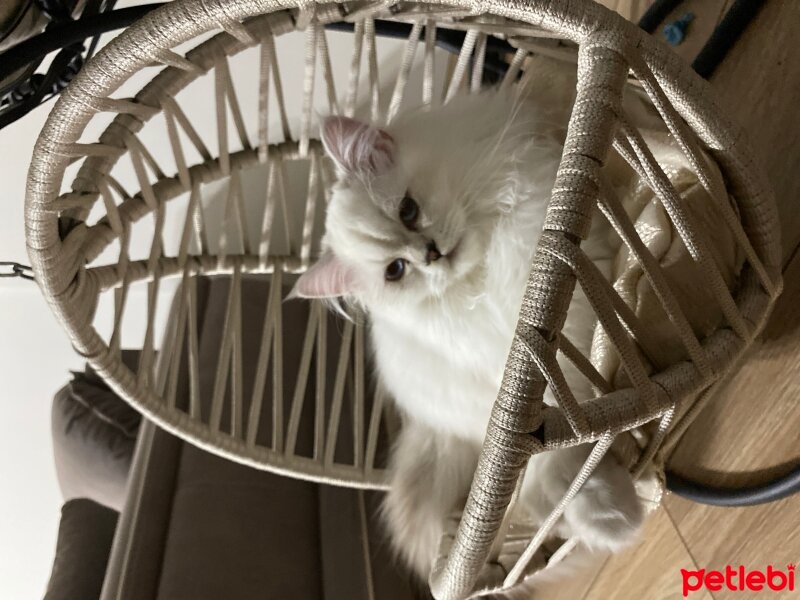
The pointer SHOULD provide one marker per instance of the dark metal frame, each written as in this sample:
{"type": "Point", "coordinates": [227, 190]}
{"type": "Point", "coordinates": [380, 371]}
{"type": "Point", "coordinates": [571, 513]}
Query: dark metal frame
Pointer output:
{"type": "Point", "coordinates": [68, 36]}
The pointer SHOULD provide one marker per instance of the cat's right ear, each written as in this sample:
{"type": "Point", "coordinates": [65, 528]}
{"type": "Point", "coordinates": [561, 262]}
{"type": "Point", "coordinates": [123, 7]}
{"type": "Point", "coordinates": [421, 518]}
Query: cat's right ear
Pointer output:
{"type": "Point", "coordinates": [329, 277]}
{"type": "Point", "coordinates": [357, 148]}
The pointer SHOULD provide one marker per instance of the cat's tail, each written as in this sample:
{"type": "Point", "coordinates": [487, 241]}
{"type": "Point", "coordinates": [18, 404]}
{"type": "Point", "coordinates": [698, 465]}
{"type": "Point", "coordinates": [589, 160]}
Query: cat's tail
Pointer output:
{"type": "Point", "coordinates": [431, 474]}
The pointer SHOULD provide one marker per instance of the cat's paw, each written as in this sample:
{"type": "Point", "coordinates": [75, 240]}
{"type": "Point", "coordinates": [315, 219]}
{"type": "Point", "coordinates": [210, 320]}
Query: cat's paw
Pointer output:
{"type": "Point", "coordinates": [606, 514]}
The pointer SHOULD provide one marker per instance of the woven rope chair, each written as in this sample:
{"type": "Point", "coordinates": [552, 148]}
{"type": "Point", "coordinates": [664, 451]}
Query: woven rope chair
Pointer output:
{"type": "Point", "coordinates": [80, 231]}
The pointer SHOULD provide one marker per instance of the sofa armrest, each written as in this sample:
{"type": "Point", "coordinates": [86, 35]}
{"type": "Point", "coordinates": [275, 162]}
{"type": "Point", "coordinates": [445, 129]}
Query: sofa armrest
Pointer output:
{"type": "Point", "coordinates": [84, 540]}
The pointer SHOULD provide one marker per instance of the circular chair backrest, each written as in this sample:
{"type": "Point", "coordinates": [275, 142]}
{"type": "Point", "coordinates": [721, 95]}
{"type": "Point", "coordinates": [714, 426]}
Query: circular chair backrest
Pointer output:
{"type": "Point", "coordinates": [86, 237]}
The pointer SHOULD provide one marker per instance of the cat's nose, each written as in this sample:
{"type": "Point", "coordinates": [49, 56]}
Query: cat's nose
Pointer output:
{"type": "Point", "coordinates": [432, 253]}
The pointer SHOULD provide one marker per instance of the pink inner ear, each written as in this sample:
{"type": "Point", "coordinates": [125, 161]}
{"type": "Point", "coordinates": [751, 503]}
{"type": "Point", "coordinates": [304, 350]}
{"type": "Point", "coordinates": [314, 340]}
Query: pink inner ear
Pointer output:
{"type": "Point", "coordinates": [357, 147]}
{"type": "Point", "coordinates": [329, 277]}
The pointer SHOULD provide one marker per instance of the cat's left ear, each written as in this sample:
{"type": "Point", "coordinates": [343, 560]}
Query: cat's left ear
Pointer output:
{"type": "Point", "coordinates": [329, 277]}
{"type": "Point", "coordinates": [356, 147]}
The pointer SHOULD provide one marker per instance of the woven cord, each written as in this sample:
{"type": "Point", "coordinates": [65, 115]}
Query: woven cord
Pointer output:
{"type": "Point", "coordinates": [516, 413]}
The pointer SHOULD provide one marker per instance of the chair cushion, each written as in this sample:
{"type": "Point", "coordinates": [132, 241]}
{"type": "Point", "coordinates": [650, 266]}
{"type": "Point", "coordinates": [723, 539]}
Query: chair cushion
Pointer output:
{"type": "Point", "coordinates": [84, 542]}
{"type": "Point", "coordinates": [240, 533]}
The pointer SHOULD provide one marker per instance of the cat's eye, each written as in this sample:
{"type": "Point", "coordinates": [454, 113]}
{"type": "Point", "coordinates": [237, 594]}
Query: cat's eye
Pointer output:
{"type": "Point", "coordinates": [395, 270]}
{"type": "Point", "coordinates": [409, 212]}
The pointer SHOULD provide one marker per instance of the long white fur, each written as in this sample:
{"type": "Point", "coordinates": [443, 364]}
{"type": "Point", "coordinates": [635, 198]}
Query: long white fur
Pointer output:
{"type": "Point", "coordinates": [481, 169]}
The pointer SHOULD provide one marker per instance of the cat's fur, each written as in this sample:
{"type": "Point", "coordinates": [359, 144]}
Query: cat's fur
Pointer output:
{"type": "Point", "coordinates": [481, 169]}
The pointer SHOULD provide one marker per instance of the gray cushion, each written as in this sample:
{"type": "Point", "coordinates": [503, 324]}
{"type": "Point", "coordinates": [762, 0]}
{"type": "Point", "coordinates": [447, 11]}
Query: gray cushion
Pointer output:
{"type": "Point", "coordinates": [239, 533]}
{"type": "Point", "coordinates": [207, 528]}
{"type": "Point", "coordinates": [236, 532]}
{"type": "Point", "coordinates": [84, 542]}
{"type": "Point", "coordinates": [94, 432]}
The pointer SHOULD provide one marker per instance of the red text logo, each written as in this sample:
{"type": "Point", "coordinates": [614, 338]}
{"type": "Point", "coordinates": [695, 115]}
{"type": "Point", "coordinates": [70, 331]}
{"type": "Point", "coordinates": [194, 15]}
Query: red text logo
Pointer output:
{"type": "Point", "coordinates": [738, 579]}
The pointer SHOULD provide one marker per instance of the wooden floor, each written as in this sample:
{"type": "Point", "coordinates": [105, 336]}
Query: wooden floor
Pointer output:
{"type": "Point", "coordinates": [751, 430]}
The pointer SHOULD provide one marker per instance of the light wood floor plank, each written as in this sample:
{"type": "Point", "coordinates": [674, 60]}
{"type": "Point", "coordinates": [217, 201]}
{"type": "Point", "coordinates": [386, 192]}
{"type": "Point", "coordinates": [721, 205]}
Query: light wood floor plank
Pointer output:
{"type": "Point", "coordinates": [650, 570]}
{"type": "Point", "coordinates": [759, 86]}
{"type": "Point", "coordinates": [753, 537]}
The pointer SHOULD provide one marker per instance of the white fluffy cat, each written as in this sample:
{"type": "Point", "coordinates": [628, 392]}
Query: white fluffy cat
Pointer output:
{"type": "Point", "coordinates": [431, 229]}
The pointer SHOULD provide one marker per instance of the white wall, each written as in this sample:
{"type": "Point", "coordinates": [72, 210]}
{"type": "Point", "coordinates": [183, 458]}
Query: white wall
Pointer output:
{"type": "Point", "coordinates": [35, 354]}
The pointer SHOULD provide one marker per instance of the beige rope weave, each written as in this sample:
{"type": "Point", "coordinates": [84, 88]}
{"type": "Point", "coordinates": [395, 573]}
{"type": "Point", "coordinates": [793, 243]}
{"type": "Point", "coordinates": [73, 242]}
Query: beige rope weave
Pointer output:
{"type": "Point", "coordinates": [84, 227]}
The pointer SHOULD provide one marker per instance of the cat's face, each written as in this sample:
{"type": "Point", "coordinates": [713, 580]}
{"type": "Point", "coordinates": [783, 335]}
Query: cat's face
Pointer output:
{"type": "Point", "coordinates": [401, 226]}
